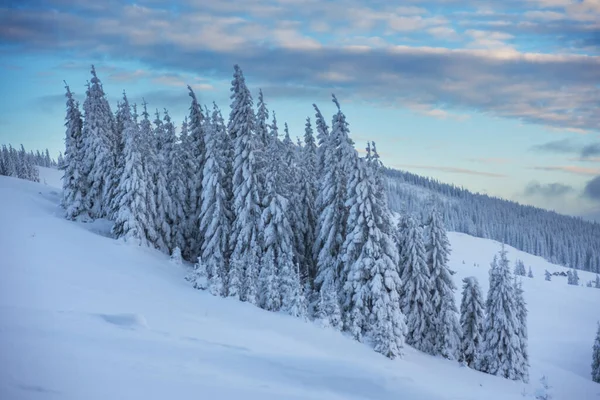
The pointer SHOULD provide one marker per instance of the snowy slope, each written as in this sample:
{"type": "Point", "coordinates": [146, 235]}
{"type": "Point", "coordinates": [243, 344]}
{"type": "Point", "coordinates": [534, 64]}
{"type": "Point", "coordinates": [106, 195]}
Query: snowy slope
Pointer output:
{"type": "Point", "coordinates": [83, 316]}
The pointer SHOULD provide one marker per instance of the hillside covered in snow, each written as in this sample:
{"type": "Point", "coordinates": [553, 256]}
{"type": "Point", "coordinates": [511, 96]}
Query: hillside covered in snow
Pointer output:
{"type": "Point", "coordinates": [83, 316]}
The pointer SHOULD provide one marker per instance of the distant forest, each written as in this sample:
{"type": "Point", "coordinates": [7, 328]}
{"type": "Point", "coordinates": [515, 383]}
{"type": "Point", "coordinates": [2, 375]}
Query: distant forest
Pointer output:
{"type": "Point", "coordinates": [561, 239]}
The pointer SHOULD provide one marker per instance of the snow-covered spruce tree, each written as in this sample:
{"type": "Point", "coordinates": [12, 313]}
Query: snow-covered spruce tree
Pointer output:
{"type": "Point", "coordinates": [596, 357]}
{"type": "Point", "coordinates": [521, 308]}
{"type": "Point", "coordinates": [530, 273]}
{"type": "Point", "coordinates": [98, 159]}
{"type": "Point", "coordinates": [501, 346]}
{"type": "Point", "coordinates": [471, 321]}
{"type": "Point", "coordinates": [263, 136]}
{"type": "Point", "coordinates": [332, 212]}
{"type": "Point", "coordinates": [291, 169]}
{"type": "Point", "coordinates": [327, 309]}
{"type": "Point", "coordinates": [308, 193]}
{"type": "Point", "coordinates": [597, 282]}
{"type": "Point", "coordinates": [297, 306]}
{"type": "Point", "coordinates": [262, 117]}
{"type": "Point", "coordinates": [215, 214]}
{"type": "Point", "coordinates": [543, 392]}
{"type": "Point", "coordinates": [278, 239]}
{"type": "Point", "coordinates": [547, 275]}
{"type": "Point", "coordinates": [122, 116]}
{"type": "Point", "coordinates": [372, 284]}
{"type": "Point", "coordinates": [322, 140]}
{"type": "Point", "coordinates": [194, 166]}
{"type": "Point", "coordinates": [74, 182]}
{"type": "Point", "coordinates": [149, 163]}
{"type": "Point", "coordinates": [520, 268]}
{"type": "Point", "coordinates": [447, 328]}
{"type": "Point", "coordinates": [132, 213]}
{"type": "Point", "coordinates": [245, 241]}
{"type": "Point", "coordinates": [164, 206]}
{"type": "Point", "coordinates": [416, 288]}
{"type": "Point", "coordinates": [172, 154]}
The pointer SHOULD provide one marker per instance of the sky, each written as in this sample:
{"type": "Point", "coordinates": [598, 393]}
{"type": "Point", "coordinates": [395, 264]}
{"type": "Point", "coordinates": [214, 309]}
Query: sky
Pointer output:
{"type": "Point", "coordinates": [500, 97]}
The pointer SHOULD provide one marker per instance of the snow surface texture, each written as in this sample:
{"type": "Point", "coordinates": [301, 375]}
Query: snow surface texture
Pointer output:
{"type": "Point", "coordinates": [83, 316]}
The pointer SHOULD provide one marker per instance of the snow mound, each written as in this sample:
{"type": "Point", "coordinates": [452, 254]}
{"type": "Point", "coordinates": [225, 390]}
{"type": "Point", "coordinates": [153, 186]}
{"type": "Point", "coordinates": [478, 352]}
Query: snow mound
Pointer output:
{"type": "Point", "coordinates": [125, 320]}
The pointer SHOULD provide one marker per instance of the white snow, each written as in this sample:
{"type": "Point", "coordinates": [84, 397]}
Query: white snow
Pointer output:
{"type": "Point", "coordinates": [83, 316]}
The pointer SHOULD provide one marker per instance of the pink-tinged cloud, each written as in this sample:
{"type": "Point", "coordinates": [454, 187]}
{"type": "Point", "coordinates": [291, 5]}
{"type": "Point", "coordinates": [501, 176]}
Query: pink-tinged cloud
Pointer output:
{"type": "Point", "coordinates": [572, 169]}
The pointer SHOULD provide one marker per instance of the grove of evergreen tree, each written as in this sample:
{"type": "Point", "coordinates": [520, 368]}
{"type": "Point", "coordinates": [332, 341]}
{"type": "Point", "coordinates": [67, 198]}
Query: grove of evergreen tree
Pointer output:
{"type": "Point", "coordinates": [302, 227]}
{"type": "Point", "coordinates": [22, 164]}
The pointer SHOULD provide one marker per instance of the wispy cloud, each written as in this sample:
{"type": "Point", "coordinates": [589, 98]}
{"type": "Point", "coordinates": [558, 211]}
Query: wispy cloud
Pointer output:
{"type": "Point", "coordinates": [454, 170]}
{"type": "Point", "coordinates": [572, 169]}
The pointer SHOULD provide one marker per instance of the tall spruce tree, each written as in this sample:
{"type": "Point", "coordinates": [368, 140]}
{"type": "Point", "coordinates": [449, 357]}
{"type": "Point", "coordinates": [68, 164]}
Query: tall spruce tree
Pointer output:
{"type": "Point", "coordinates": [521, 307]}
{"type": "Point", "coordinates": [74, 182]}
{"type": "Point", "coordinates": [416, 288]}
{"type": "Point", "coordinates": [175, 184]}
{"type": "Point", "coordinates": [278, 239]}
{"type": "Point", "coordinates": [245, 240]}
{"type": "Point", "coordinates": [501, 346]}
{"type": "Point", "coordinates": [149, 164]}
{"type": "Point", "coordinates": [215, 215]}
{"type": "Point", "coordinates": [308, 193]}
{"type": "Point", "coordinates": [330, 201]}
{"type": "Point", "coordinates": [472, 316]}
{"type": "Point", "coordinates": [447, 328]}
{"type": "Point", "coordinates": [122, 116]}
{"type": "Point", "coordinates": [322, 140]}
{"type": "Point", "coordinates": [98, 159]}
{"type": "Point", "coordinates": [132, 214]}
{"type": "Point", "coordinates": [372, 306]}
{"type": "Point", "coordinates": [195, 163]}
{"type": "Point", "coordinates": [164, 141]}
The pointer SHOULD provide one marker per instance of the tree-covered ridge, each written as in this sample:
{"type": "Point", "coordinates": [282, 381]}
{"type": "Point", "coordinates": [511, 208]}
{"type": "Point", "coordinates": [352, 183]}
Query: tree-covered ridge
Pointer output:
{"type": "Point", "coordinates": [560, 239]}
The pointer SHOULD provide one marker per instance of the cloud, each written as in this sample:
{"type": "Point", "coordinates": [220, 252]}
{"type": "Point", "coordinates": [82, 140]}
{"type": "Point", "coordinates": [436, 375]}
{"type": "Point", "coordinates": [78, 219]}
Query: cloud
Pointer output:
{"type": "Point", "coordinates": [590, 150]}
{"type": "Point", "coordinates": [492, 75]}
{"type": "Point", "coordinates": [547, 190]}
{"type": "Point", "coordinates": [569, 146]}
{"type": "Point", "coordinates": [451, 170]}
{"type": "Point", "coordinates": [557, 146]}
{"type": "Point", "coordinates": [572, 169]}
{"type": "Point", "coordinates": [592, 189]}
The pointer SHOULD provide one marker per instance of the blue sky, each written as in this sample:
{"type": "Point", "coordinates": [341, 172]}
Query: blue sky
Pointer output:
{"type": "Point", "coordinates": [500, 97]}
